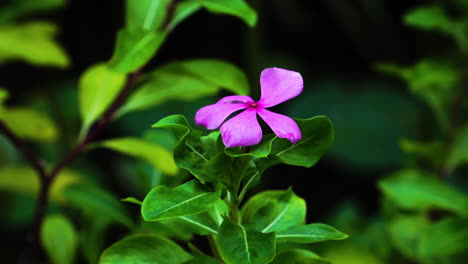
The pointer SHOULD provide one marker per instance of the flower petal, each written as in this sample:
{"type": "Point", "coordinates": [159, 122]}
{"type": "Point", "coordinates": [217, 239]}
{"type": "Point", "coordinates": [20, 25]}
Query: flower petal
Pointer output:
{"type": "Point", "coordinates": [279, 85]}
{"type": "Point", "coordinates": [242, 130]}
{"type": "Point", "coordinates": [283, 126]}
{"type": "Point", "coordinates": [211, 116]}
{"type": "Point", "coordinates": [236, 99]}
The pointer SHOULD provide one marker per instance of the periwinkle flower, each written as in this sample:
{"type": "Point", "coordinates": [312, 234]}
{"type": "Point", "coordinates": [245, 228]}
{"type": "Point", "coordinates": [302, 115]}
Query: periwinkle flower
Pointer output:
{"type": "Point", "coordinates": [277, 85]}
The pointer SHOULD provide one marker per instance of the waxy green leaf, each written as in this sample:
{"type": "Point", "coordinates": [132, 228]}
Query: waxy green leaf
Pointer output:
{"type": "Point", "coordinates": [91, 199]}
{"type": "Point", "coordinates": [154, 154]}
{"type": "Point", "coordinates": [98, 87]}
{"type": "Point", "coordinates": [406, 232]}
{"type": "Point", "coordinates": [261, 150]}
{"type": "Point", "coordinates": [144, 249]}
{"type": "Point", "coordinates": [310, 233]}
{"type": "Point", "coordinates": [202, 260]}
{"type": "Point", "coordinates": [59, 239]}
{"type": "Point", "coordinates": [29, 124]}
{"type": "Point", "coordinates": [238, 8]}
{"type": "Point", "coordinates": [146, 15]}
{"type": "Point", "coordinates": [317, 137]}
{"type": "Point", "coordinates": [184, 10]}
{"type": "Point", "coordinates": [416, 190]}
{"type": "Point", "coordinates": [134, 49]}
{"type": "Point", "coordinates": [32, 43]}
{"type": "Point", "coordinates": [274, 211]}
{"type": "Point", "coordinates": [240, 245]}
{"type": "Point", "coordinates": [186, 80]}
{"type": "Point", "coordinates": [187, 199]}
{"type": "Point", "coordinates": [201, 224]}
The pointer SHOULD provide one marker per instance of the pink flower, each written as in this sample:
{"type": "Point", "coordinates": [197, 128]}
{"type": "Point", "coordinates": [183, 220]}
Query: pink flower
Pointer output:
{"type": "Point", "coordinates": [277, 85]}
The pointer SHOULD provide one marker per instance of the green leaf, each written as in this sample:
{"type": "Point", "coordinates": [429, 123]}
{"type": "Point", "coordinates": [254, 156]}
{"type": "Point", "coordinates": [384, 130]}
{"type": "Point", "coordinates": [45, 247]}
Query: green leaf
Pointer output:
{"type": "Point", "coordinates": [98, 87]}
{"type": "Point", "coordinates": [310, 233]}
{"type": "Point", "coordinates": [33, 43]}
{"type": "Point", "coordinates": [202, 260]}
{"type": "Point", "coordinates": [459, 152]}
{"type": "Point", "coordinates": [134, 48]}
{"type": "Point", "coordinates": [183, 10]}
{"type": "Point", "coordinates": [317, 137]}
{"type": "Point", "coordinates": [415, 190]}
{"type": "Point", "coordinates": [91, 199]}
{"type": "Point", "coordinates": [260, 150]}
{"type": "Point", "coordinates": [24, 179]}
{"type": "Point", "coordinates": [274, 211]}
{"type": "Point", "coordinates": [432, 80]}
{"type": "Point", "coordinates": [146, 15]}
{"type": "Point", "coordinates": [240, 245]}
{"type": "Point", "coordinates": [159, 157]}
{"type": "Point", "coordinates": [187, 199]}
{"type": "Point", "coordinates": [132, 200]}
{"type": "Point", "coordinates": [18, 8]}
{"type": "Point", "coordinates": [406, 233]}
{"type": "Point", "coordinates": [144, 249]}
{"type": "Point", "coordinates": [298, 256]}
{"type": "Point", "coordinates": [29, 124]}
{"type": "Point", "coordinates": [189, 152]}
{"type": "Point", "coordinates": [445, 238]}
{"type": "Point", "coordinates": [201, 224]}
{"type": "Point", "coordinates": [238, 8]}
{"type": "Point", "coordinates": [3, 96]}
{"type": "Point", "coordinates": [59, 239]}
{"type": "Point", "coordinates": [186, 81]}
{"type": "Point", "coordinates": [430, 17]}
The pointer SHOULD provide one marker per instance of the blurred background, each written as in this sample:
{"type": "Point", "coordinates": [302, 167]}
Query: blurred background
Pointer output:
{"type": "Point", "coordinates": [334, 44]}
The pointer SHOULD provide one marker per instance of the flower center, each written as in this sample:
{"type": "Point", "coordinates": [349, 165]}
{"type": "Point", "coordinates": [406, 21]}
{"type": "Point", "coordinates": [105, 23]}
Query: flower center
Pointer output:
{"type": "Point", "coordinates": [254, 105]}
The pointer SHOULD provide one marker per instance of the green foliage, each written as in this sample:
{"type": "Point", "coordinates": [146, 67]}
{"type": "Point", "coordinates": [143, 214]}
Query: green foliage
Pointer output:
{"type": "Point", "coordinates": [434, 81]}
{"type": "Point", "coordinates": [240, 245]}
{"type": "Point", "coordinates": [144, 249]}
{"type": "Point", "coordinates": [201, 224]}
{"type": "Point", "coordinates": [183, 11]}
{"type": "Point", "coordinates": [187, 199]}
{"type": "Point", "coordinates": [19, 8]}
{"type": "Point", "coordinates": [134, 48]}
{"type": "Point", "coordinates": [238, 8]}
{"type": "Point", "coordinates": [459, 152]}
{"type": "Point", "coordinates": [202, 260]}
{"type": "Point", "coordinates": [33, 43]}
{"type": "Point", "coordinates": [91, 199]}
{"type": "Point", "coordinates": [271, 211]}
{"type": "Point", "coordinates": [29, 124]}
{"type": "Point", "coordinates": [186, 80]}
{"type": "Point", "coordinates": [59, 239]}
{"type": "Point", "coordinates": [145, 15]}
{"type": "Point", "coordinates": [298, 256]}
{"type": "Point", "coordinates": [159, 157]}
{"type": "Point", "coordinates": [310, 234]}
{"type": "Point", "coordinates": [25, 180]}
{"type": "Point", "coordinates": [406, 232]}
{"type": "Point", "coordinates": [98, 87]}
{"type": "Point", "coordinates": [415, 190]}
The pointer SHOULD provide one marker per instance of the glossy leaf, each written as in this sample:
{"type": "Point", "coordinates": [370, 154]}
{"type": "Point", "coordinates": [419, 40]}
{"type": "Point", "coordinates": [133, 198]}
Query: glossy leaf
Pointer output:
{"type": "Point", "coordinates": [189, 152]}
{"type": "Point", "coordinates": [238, 8]}
{"type": "Point", "coordinates": [134, 49]}
{"type": "Point", "coordinates": [445, 238]}
{"type": "Point", "coordinates": [310, 233]}
{"type": "Point", "coordinates": [187, 199]}
{"type": "Point", "coordinates": [132, 200]}
{"type": "Point", "coordinates": [33, 43]}
{"type": "Point", "coordinates": [146, 15]}
{"type": "Point", "coordinates": [144, 249]}
{"type": "Point", "coordinates": [274, 211]}
{"type": "Point", "coordinates": [157, 156]}
{"type": "Point", "coordinates": [183, 11]}
{"type": "Point", "coordinates": [29, 124]}
{"type": "Point", "coordinates": [24, 179]}
{"type": "Point", "coordinates": [261, 150]}
{"type": "Point", "coordinates": [317, 137]}
{"type": "Point", "coordinates": [98, 87]}
{"type": "Point", "coordinates": [59, 239]}
{"type": "Point", "coordinates": [459, 153]}
{"type": "Point", "coordinates": [298, 256]}
{"type": "Point", "coordinates": [186, 81]}
{"type": "Point", "coordinates": [415, 190]}
{"type": "Point", "coordinates": [201, 224]}
{"type": "Point", "coordinates": [91, 199]}
{"type": "Point", "coordinates": [240, 245]}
